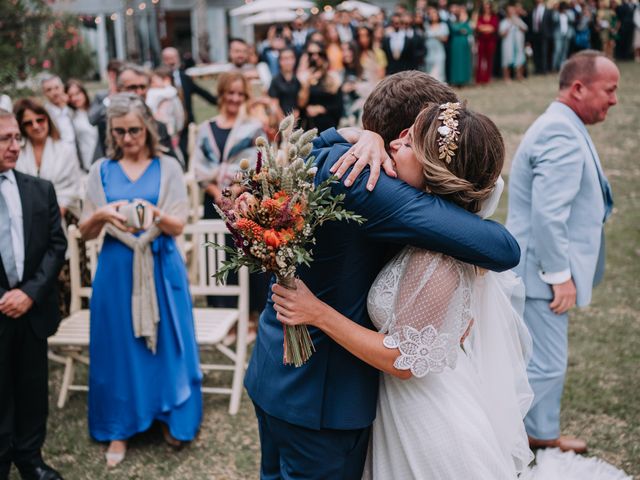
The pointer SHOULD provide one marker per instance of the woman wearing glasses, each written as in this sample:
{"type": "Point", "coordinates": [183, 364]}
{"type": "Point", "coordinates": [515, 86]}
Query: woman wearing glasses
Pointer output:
{"type": "Point", "coordinates": [45, 155]}
{"type": "Point", "coordinates": [222, 142]}
{"type": "Point", "coordinates": [144, 358]}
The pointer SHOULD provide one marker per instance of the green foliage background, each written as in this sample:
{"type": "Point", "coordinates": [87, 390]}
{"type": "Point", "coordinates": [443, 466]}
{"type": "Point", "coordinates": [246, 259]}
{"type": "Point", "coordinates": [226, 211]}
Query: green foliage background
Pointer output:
{"type": "Point", "coordinates": [34, 38]}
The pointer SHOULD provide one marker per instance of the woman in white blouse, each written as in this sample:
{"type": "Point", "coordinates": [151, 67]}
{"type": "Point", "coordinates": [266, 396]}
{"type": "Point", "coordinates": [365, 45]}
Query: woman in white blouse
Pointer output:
{"type": "Point", "coordinates": [86, 134]}
{"type": "Point", "coordinates": [44, 155]}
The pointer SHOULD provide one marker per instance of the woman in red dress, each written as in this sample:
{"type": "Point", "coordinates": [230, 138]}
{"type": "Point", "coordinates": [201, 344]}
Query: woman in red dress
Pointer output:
{"type": "Point", "coordinates": [487, 38]}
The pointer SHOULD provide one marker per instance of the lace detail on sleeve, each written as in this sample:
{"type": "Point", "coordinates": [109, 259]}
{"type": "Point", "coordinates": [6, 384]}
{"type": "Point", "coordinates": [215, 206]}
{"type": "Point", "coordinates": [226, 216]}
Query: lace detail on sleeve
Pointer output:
{"type": "Point", "coordinates": [431, 312]}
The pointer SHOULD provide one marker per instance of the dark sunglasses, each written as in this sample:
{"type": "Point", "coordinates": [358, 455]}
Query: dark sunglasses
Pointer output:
{"type": "Point", "coordinates": [32, 123]}
{"type": "Point", "coordinates": [121, 132]}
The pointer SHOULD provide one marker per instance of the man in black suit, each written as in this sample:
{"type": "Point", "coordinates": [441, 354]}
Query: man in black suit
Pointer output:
{"type": "Point", "coordinates": [184, 83]}
{"type": "Point", "coordinates": [32, 248]}
{"type": "Point", "coordinates": [186, 88]}
{"type": "Point", "coordinates": [399, 47]}
{"type": "Point", "coordinates": [540, 22]}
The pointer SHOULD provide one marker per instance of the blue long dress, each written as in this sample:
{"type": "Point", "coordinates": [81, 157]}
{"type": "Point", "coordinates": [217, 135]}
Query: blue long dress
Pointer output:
{"type": "Point", "coordinates": [129, 386]}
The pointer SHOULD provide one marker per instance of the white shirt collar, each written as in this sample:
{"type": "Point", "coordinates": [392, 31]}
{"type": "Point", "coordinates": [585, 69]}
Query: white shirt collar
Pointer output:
{"type": "Point", "coordinates": [9, 175]}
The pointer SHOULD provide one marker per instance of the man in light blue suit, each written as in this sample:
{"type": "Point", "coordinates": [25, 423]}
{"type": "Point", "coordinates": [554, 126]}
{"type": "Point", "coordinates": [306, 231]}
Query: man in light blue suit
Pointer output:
{"type": "Point", "coordinates": [559, 199]}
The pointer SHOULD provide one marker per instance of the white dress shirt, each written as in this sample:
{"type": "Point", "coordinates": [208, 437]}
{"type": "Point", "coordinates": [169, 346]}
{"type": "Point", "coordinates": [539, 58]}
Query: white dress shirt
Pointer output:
{"type": "Point", "coordinates": [11, 194]}
{"type": "Point", "coordinates": [537, 17]}
{"type": "Point", "coordinates": [396, 42]}
{"type": "Point", "coordinates": [564, 24]}
{"type": "Point", "coordinates": [62, 118]}
{"type": "Point", "coordinates": [177, 81]}
{"type": "Point", "coordinates": [87, 137]}
{"type": "Point", "coordinates": [345, 33]}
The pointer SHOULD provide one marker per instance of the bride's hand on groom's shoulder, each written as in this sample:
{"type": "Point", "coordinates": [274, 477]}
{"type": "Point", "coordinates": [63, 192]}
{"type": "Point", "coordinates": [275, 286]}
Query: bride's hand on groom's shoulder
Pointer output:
{"type": "Point", "coordinates": [368, 150]}
{"type": "Point", "coordinates": [297, 307]}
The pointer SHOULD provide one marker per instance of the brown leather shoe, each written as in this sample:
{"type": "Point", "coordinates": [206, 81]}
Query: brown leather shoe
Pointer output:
{"type": "Point", "coordinates": [564, 443]}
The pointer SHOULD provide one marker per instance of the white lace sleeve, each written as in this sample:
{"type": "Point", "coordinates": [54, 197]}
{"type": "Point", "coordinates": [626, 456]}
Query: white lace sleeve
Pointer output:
{"type": "Point", "coordinates": [431, 312]}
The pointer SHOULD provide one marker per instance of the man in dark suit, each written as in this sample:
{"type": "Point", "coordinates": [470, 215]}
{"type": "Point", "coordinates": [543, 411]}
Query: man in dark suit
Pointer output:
{"type": "Point", "coordinates": [32, 248]}
{"type": "Point", "coordinates": [186, 89]}
{"type": "Point", "coordinates": [314, 421]}
{"type": "Point", "coordinates": [184, 83]}
{"type": "Point", "coordinates": [134, 79]}
{"type": "Point", "coordinates": [399, 47]}
{"type": "Point", "coordinates": [540, 22]}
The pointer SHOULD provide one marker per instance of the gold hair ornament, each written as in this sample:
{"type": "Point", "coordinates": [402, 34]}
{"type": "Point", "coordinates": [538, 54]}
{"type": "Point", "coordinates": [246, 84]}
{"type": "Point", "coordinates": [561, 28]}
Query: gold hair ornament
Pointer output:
{"type": "Point", "coordinates": [449, 133]}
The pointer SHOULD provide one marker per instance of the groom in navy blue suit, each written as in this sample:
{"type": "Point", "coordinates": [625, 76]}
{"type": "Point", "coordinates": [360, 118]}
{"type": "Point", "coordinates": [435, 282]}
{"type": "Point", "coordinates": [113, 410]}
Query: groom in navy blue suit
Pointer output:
{"type": "Point", "coordinates": [314, 421]}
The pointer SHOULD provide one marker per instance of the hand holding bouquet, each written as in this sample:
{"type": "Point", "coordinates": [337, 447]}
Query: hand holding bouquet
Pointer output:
{"type": "Point", "coordinates": [273, 219]}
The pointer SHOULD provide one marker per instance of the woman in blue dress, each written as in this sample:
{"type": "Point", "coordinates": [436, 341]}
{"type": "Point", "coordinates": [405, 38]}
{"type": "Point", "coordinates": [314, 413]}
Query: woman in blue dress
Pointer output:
{"type": "Point", "coordinates": [144, 357]}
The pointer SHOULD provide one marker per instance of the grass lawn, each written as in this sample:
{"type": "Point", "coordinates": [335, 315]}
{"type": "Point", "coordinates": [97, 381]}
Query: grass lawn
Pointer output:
{"type": "Point", "coordinates": [601, 397]}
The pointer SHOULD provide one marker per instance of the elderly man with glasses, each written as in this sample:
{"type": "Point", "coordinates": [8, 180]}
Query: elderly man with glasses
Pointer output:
{"type": "Point", "coordinates": [32, 248]}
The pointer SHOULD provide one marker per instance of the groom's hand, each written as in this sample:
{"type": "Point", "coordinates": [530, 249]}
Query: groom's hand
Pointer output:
{"type": "Point", "coordinates": [368, 150]}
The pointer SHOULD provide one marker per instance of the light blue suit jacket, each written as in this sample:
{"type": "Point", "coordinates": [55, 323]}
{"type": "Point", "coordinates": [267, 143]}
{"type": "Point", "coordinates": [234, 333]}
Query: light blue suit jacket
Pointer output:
{"type": "Point", "coordinates": [559, 199]}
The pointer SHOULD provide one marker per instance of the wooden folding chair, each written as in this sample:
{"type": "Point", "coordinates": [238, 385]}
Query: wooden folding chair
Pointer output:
{"type": "Point", "coordinates": [70, 343]}
{"type": "Point", "coordinates": [214, 324]}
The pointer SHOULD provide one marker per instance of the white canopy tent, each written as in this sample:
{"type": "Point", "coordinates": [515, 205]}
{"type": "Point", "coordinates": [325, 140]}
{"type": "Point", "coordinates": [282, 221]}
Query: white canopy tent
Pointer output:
{"type": "Point", "coordinates": [270, 5]}
{"type": "Point", "coordinates": [365, 9]}
{"type": "Point", "coordinates": [274, 16]}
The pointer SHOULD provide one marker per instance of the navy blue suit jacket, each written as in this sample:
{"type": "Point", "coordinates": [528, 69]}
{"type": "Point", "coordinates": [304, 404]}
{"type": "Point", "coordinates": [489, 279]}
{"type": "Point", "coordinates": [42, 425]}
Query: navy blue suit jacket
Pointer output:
{"type": "Point", "coordinates": [335, 389]}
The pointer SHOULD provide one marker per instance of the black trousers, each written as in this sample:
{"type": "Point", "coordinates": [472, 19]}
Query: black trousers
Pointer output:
{"type": "Point", "coordinates": [541, 55]}
{"type": "Point", "coordinates": [24, 398]}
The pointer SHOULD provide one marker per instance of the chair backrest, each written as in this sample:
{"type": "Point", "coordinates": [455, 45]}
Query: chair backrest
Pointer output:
{"type": "Point", "coordinates": [208, 260]}
{"type": "Point", "coordinates": [193, 189]}
{"type": "Point", "coordinates": [192, 133]}
{"type": "Point", "coordinates": [80, 290]}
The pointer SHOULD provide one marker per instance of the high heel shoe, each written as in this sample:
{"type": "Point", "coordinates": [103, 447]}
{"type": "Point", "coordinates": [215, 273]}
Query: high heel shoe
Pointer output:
{"type": "Point", "coordinates": [114, 458]}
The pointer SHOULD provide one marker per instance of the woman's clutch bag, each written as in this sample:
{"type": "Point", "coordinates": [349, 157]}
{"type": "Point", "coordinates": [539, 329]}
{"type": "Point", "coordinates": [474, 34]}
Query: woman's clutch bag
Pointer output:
{"type": "Point", "coordinates": [138, 214]}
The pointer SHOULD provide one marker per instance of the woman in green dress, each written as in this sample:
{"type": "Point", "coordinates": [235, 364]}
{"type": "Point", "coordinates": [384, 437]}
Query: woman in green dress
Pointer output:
{"type": "Point", "coordinates": [460, 65]}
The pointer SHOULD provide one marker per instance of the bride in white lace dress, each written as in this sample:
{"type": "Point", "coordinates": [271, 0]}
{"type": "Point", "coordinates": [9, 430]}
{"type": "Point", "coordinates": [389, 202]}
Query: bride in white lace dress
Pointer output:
{"type": "Point", "coordinates": [434, 419]}
{"type": "Point", "coordinates": [450, 407]}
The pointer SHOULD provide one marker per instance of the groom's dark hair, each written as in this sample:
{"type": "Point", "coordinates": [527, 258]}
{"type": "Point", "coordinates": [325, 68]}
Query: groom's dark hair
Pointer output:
{"type": "Point", "coordinates": [398, 99]}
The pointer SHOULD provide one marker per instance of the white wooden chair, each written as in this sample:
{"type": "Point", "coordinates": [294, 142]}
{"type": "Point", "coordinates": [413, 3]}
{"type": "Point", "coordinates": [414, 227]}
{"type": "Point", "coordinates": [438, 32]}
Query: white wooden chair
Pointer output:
{"type": "Point", "coordinates": [214, 324]}
{"type": "Point", "coordinates": [70, 343]}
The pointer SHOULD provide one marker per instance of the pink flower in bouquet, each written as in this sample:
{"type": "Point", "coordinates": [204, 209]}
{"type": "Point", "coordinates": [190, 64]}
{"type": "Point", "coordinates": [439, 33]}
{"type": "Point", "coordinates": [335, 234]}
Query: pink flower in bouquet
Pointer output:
{"type": "Point", "coordinates": [245, 204]}
{"type": "Point", "coordinates": [46, 64]}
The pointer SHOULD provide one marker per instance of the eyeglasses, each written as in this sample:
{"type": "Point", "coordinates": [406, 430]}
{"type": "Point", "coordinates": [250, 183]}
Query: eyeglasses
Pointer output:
{"type": "Point", "coordinates": [132, 131]}
{"type": "Point", "coordinates": [32, 123]}
{"type": "Point", "coordinates": [136, 88]}
{"type": "Point", "coordinates": [8, 139]}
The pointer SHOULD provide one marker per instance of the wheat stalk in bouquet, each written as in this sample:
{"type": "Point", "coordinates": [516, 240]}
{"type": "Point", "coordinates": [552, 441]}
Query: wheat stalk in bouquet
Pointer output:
{"type": "Point", "coordinates": [274, 214]}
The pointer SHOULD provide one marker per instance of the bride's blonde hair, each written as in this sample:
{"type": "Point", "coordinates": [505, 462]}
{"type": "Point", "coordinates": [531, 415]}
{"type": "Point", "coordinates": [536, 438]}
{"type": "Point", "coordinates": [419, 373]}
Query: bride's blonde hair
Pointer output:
{"type": "Point", "coordinates": [471, 174]}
